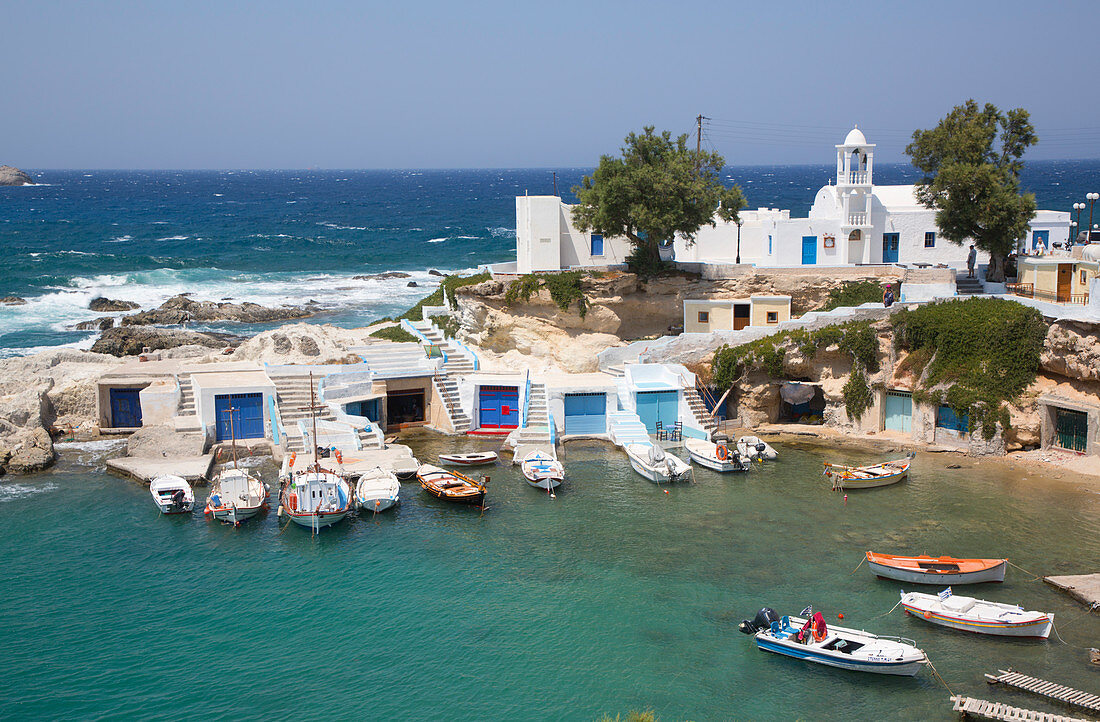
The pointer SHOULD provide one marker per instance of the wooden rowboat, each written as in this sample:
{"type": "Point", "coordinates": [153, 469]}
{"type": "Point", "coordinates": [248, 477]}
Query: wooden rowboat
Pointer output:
{"type": "Point", "coordinates": [475, 459]}
{"type": "Point", "coordinates": [867, 477]}
{"type": "Point", "coordinates": [936, 570]}
{"type": "Point", "coordinates": [977, 615]}
{"type": "Point", "coordinates": [451, 485]}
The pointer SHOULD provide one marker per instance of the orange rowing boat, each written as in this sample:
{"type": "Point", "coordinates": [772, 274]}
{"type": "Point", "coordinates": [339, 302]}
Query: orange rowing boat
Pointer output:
{"type": "Point", "coordinates": [924, 569]}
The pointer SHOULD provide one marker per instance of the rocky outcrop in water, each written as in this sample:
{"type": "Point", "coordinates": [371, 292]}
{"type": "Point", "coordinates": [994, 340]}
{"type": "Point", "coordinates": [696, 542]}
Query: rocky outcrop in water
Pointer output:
{"type": "Point", "coordinates": [382, 276]}
{"type": "Point", "coordinates": [12, 176]}
{"type": "Point", "coordinates": [181, 309]}
{"type": "Point", "coordinates": [12, 301]}
{"type": "Point", "coordinates": [96, 324]}
{"type": "Point", "coordinates": [100, 304]}
{"type": "Point", "coordinates": [133, 340]}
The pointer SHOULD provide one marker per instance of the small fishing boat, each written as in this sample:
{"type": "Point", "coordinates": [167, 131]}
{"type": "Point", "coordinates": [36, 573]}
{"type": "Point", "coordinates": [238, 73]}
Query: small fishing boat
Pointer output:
{"type": "Point", "coordinates": [451, 485]}
{"type": "Point", "coordinates": [811, 640]}
{"type": "Point", "coordinates": [172, 494]}
{"type": "Point", "coordinates": [653, 463]}
{"type": "Point", "coordinates": [867, 477]}
{"type": "Point", "coordinates": [936, 570]}
{"type": "Point", "coordinates": [542, 471]}
{"type": "Point", "coordinates": [476, 458]}
{"type": "Point", "coordinates": [753, 447]}
{"type": "Point", "coordinates": [719, 457]}
{"type": "Point", "coordinates": [235, 496]}
{"type": "Point", "coordinates": [377, 490]}
{"type": "Point", "coordinates": [977, 615]}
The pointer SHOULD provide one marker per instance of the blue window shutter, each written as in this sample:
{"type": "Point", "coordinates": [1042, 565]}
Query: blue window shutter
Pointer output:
{"type": "Point", "coordinates": [597, 244]}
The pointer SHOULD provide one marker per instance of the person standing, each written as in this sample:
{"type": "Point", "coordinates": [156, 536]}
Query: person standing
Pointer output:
{"type": "Point", "coordinates": [888, 297]}
{"type": "Point", "coordinates": [971, 259]}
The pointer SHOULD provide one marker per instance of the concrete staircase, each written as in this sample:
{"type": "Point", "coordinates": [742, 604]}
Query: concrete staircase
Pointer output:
{"type": "Point", "coordinates": [458, 362]}
{"type": "Point", "coordinates": [447, 388]}
{"type": "Point", "coordinates": [293, 393]}
{"type": "Point", "coordinates": [388, 359]}
{"type": "Point", "coordinates": [968, 286]}
{"type": "Point", "coordinates": [703, 417]}
{"type": "Point", "coordinates": [625, 427]}
{"type": "Point", "coordinates": [186, 416]}
{"type": "Point", "coordinates": [537, 430]}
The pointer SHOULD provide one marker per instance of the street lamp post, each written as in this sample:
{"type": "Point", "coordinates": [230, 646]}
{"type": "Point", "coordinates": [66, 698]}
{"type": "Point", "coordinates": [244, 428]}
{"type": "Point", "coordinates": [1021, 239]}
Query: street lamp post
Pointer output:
{"type": "Point", "coordinates": [738, 261]}
{"type": "Point", "coordinates": [1078, 207]}
{"type": "Point", "coordinates": [1091, 199]}
{"type": "Point", "coordinates": [1072, 232]}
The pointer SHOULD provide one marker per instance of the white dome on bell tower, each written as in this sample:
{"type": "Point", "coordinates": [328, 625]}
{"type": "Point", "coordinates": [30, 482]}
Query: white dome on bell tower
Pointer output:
{"type": "Point", "coordinates": [855, 137]}
{"type": "Point", "coordinates": [854, 158]}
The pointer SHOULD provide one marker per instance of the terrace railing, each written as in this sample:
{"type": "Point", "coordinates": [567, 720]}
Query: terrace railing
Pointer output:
{"type": "Point", "coordinates": [1027, 290]}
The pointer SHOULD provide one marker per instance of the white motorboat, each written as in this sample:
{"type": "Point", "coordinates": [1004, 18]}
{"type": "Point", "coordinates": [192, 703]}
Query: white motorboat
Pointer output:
{"type": "Point", "coordinates": [653, 463]}
{"type": "Point", "coordinates": [377, 490]}
{"type": "Point", "coordinates": [977, 615]}
{"type": "Point", "coordinates": [718, 457]}
{"type": "Point", "coordinates": [542, 471]}
{"type": "Point", "coordinates": [753, 447]}
{"type": "Point", "coordinates": [473, 459]}
{"type": "Point", "coordinates": [235, 496]}
{"type": "Point", "coordinates": [172, 494]}
{"type": "Point", "coordinates": [814, 641]}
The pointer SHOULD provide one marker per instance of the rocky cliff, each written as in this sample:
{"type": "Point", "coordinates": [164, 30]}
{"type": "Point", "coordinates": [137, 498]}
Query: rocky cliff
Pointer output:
{"type": "Point", "coordinates": [12, 176]}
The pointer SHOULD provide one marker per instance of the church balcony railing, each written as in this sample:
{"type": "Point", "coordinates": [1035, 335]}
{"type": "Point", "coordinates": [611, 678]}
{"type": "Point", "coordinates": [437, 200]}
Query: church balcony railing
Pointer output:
{"type": "Point", "coordinates": [857, 219]}
{"type": "Point", "coordinates": [855, 177]}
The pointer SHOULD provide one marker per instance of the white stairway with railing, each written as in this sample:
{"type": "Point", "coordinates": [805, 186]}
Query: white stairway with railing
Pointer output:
{"type": "Point", "coordinates": [294, 398]}
{"type": "Point", "coordinates": [703, 418]}
{"type": "Point", "coordinates": [458, 362]}
{"type": "Point", "coordinates": [537, 429]}
{"type": "Point", "coordinates": [386, 358]}
{"type": "Point", "coordinates": [625, 427]}
{"type": "Point", "coordinates": [448, 391]}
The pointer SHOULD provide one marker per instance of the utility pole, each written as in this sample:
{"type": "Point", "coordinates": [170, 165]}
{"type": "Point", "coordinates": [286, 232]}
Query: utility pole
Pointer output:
{"type": "Point", "coordinates": [555, 182]}
{"type": "Point", "coordinates": [699, 138]}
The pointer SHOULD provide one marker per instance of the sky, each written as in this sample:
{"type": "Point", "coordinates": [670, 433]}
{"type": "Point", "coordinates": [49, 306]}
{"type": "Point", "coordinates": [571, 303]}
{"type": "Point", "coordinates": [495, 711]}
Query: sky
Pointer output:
{"type": "Point", "coordinates": [444, 84]}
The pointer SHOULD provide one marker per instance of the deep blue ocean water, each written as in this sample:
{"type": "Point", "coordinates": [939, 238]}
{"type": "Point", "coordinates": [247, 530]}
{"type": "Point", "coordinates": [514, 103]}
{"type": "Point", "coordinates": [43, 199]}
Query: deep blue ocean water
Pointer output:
{"type": "Point", "coordinates": [290, 236]}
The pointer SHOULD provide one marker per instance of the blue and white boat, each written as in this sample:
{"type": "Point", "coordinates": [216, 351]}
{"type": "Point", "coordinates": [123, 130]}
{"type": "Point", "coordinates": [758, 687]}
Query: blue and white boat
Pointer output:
{"type": "Point", "coordinates": [542, 471]}
{"type": "Point", "coordinates": [814, 641]}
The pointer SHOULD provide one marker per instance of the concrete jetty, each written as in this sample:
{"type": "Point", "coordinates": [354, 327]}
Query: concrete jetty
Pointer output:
{"type": "Point", "coordinates": [395, 457]}
{"type": "Point", "coordinates": [191, 468]}
{"type": "Point", "coordinates": [1084, 588]}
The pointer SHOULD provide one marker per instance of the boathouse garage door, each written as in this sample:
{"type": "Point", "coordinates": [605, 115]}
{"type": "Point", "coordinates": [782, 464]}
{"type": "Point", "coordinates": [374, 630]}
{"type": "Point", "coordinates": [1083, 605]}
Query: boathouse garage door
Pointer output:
{"type": "Point", "coordinates": [499, 407]}
{"type": "Point", "coordinates": [899, 411]}
{"type": "Point", "coordinates": [1071, 429]}
{"type": "Point", "coordinates": [654, 406]}
{"type": "Point", "coordinates": [248, 416]}
{"type": "Point", "coordinates": [585, 413]}
{"type": "Point", "coordinates": [125, 408]}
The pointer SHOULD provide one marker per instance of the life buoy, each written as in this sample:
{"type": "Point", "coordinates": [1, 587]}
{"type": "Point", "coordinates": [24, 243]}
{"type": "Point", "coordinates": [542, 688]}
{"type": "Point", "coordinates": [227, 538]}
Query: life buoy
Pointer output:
{"type": "Point", "coordinates": [292, 502]}
{"type": "Point", "coordinates": [819, 632]}
{"type": "Point", "coordinates": [928, 615]}
{"type": "Point", "coordinates": [293, 456]}
{"type": "Point", "coordinates": [339, 457]}
{"type": "Point", "coordinates": [722, 452]}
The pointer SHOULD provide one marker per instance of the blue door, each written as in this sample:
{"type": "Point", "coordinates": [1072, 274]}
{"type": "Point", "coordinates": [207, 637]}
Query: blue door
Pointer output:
{"type": "Point", "coordinates": [248, 416]}
{"type": "Point", "coordinates": [654, 406]}
{"type": "Point", "coordinates": [899, 411]}
{"type": "Point", "coordinates": [890, 242]}
{"type": "Point", "coordinates": [1040, 238]}
{"type": "Point", "coordinates": [367, 409]}
{"type": "Point", "coordinates": [498, 407]}
{"type": "Point", "coordinates": [125, 408]}
{"type": "Point", "coordinates": [585, 413]}
{"type": "Point", "coordinates": [809, 250]}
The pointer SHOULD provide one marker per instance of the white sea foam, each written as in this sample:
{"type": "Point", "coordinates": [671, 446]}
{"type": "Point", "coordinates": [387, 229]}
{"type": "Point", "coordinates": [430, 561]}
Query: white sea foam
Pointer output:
{"type": "Point", "coordinates": [174, 238]}
{"type": "Point", "coordinates": [436, 240]}
{"type": "Point", "coordinates": [343, 228]}
{"type": "Point", "coordinates": [12, 492]}
{"type": "Point", "coordinates": [218, 195]}
{"type": "Point", "coordinates": [466, 238]}
{"type": "Point", "coordinates": [502, 232]}
{"type": "Point", "coordinates": [119, 239]}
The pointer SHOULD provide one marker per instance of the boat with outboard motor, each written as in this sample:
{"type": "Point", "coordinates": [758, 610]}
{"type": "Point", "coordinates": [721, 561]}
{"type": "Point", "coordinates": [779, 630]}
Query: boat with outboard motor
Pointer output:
{"type": "Point", "coordinates": [924, 569]}
{"type": "Point", "coordinates": [719, 457]}
{"type": "Point", "coordinates": [542, 470]}
{"type": "Point", "coordinates": [753, 448]}
{"type": "Point", "coordinates": [172, 494]}
{"type": "Point", "coordinates": [977, 615]}
{"type": "Point", "coordinates": [810, 639]}
{"type": "Point", "coordinates": [653, 463]}
{"type": "Point", "coordinates": [377, 490]}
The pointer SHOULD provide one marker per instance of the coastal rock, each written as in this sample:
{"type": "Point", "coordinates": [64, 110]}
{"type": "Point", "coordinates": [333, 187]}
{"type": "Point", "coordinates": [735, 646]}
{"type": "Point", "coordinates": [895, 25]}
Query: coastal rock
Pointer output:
{"type": "Point", "coordinates": [382, 276]}
{"type": "Point", "coordinates": [181, 309]}
{"type": "Point", "coordinates": [12, 301]}
{"type": "Point", "coordinates": [433, 272]}
{"type": "Point", "coordinates": [1072, 349]}
{"type": "Point", "coordinates": [302, 343]}
{"type": "Point", "coordinates": [98, 324]}
{"type": "Point", "coordinates": [12, 176]}
{"type": "Point", "coordinates": [105, 305]}
{"type": "Point", "coordinates": [411, 284]}
{"type": "Point", "coordinates": [130, 340]}
{"type": "Point", "coordinates": [34, 453]}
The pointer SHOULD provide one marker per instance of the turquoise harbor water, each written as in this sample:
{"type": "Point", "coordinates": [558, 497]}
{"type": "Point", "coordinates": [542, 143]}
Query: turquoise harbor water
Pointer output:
{"type": "Point", "coordinates": [612, 596]}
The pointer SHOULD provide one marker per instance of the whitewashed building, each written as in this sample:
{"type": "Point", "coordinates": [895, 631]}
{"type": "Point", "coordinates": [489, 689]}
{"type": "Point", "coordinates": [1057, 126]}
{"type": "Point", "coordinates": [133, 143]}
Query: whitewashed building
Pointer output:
{"type": "Point", "coordinates": [852, 221]}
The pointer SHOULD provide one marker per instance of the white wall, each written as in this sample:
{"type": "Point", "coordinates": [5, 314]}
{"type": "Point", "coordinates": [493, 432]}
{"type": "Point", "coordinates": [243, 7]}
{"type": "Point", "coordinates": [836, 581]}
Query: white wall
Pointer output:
{"type": "Point", "coordinates": [547, 240]}
{"type": "Point", "coordinates": [159, 401]}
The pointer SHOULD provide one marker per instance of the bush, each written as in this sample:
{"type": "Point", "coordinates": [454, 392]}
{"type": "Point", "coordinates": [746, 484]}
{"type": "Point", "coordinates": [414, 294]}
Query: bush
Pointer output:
{"type": "Point", "coordinates": [445, 292]}
{"type": "Point", "coordinates": [985, 351]}
{"type": "Point", "coordinates": [857, 393]}
{"type": "Point", "coordinates": [565, 288]}
{"type": "Point", "coordinates": [396, 334]}
{"type": "Point", "coordinates": [853, 293]}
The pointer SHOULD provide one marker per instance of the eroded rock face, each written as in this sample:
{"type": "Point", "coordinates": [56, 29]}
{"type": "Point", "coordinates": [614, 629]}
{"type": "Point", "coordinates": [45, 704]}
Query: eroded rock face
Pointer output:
{"type": "Point", "coordinates": [301, 343]}
{"type": "Point", "coordinates": [181, 309]}
{"type": "Point", "coordinates": [131, 340]}
{"type": "Point", "coordinates": [34, 454]}
{"type": "Point", "coordinates": [163, 441]}
{"type": "Point", "coordinates": [1073, 350]}
{"type": "Point", "coordinates": [12, 176]}
{"type": "Point", "coordinates": [97, 324]}
{"type": "Point", "coordinates": [106, 305]}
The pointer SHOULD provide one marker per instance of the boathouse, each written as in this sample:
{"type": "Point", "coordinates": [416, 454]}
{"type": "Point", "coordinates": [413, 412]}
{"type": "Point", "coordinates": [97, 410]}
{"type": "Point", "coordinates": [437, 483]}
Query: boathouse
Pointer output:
{"type": "Point", "coordinates": [1070, 424]}
{"type": "Point", "coordinates": [715, 314]}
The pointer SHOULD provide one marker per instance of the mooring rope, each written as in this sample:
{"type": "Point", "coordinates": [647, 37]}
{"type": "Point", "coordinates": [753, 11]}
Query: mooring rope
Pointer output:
{"type": "Point", "coordinates": [1084, 614]}
{"type": "Point", "coordinates": [937, 675]}
{"type": "Point", "coordinates": [891, 609]}
{"type": "Point", "coordinates": [1034, 576]}
{"type": "Point", "coordinates": [858, 566]}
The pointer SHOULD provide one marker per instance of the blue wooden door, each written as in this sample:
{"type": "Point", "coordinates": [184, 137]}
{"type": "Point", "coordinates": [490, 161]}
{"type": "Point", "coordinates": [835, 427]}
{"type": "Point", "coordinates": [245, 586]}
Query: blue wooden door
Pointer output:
{"type": "Point", "coordinates": [125, 408]}
{"type": "Point", "coordinates": [890, 243]}
{"type": "Point", "coordinates": [1040, 238]}
{"type": "Point", "coordinates": [809, 250]}
{"type": "Point", "coordinates": [248, 416]}
{"type": "Point", "coordinates": [585, 413]}
{"type": "Point", "coordinates": [498, 407]}
{"type": "Point", "coordinates": [899, 411]}
{"type": "Point", "coordinates": [654, 406]}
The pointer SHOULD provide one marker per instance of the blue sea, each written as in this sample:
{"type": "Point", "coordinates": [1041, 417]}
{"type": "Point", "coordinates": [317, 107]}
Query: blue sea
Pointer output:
{"type": "Point", "coordinates": [275, 237]}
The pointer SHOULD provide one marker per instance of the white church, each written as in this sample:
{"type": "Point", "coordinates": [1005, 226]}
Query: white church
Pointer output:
{"type": "Point", "coordinates": [851, 222]}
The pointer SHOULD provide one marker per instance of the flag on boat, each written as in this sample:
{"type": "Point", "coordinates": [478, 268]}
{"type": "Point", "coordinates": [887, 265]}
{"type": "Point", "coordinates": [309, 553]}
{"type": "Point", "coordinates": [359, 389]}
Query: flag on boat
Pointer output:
{"type": "Point", "coordinates": [945, 594]}
{"type": "Point", "coordinates": [807, 611]}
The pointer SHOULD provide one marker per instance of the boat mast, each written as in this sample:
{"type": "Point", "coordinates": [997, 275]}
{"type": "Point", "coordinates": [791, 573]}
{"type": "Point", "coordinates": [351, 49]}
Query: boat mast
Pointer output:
{"type": "Point", "coordinates": [233, 436]}
{"type": "Point", "coordinates": [313, 415]}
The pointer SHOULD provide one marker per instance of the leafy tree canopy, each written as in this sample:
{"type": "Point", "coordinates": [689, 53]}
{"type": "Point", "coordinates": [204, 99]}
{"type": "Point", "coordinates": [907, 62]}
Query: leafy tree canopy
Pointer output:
{"type": "Point", "coordinates": [658, 188]}
{"type": "Point", "coordinates": [971, 163]}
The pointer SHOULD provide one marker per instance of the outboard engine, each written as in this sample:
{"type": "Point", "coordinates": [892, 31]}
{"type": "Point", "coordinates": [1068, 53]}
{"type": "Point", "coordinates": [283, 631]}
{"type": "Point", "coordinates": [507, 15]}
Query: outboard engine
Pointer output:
{"type": "Point", "coordinates": [177, 499]}
{"type": "Point", "coordinates": [762, 620]}
{"type": "Point", "coordinates": [760, 447]}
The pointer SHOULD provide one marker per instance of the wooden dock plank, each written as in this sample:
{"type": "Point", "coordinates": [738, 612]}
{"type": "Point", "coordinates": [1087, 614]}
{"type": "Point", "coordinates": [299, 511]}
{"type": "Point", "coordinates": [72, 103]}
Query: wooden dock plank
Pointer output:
{"type": "Point", "coordinates": [1004, 713]}
{"type": "Point", "coordinates": [1050, 690]}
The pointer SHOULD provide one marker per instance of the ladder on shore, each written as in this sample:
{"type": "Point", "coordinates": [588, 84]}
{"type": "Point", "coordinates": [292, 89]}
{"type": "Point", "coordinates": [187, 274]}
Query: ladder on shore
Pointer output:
{"type": "Point", "coordinates": [984, 709]}
{"type": "Point", "coordinates": [1043, 688]}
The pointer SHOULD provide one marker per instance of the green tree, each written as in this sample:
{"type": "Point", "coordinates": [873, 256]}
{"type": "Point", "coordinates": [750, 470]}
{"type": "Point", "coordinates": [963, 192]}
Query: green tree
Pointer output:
{"type": "Point", "coordinates": [971, 163]}
{"type": "Point", "coordinates": [658, 188]}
